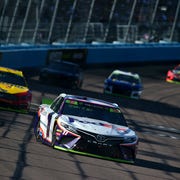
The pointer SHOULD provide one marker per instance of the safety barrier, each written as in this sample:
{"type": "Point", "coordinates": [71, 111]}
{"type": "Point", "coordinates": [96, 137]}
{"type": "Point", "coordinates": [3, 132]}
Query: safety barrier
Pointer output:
{"type": "Point", "coordinates": [25, 55]}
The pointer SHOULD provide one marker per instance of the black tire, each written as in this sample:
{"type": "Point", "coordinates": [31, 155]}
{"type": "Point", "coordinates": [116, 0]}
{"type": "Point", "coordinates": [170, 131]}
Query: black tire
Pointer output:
{"type": "Point", "coordinates": [54, 140]}
{"type": "Point", "coordinates": [36, 132]}
{"type": "Point", "coordinates": [80, 84]}
{"type": "Point", "coordinates": [28, 108]}
{"type": "Point", "coordinates": [111, 89]}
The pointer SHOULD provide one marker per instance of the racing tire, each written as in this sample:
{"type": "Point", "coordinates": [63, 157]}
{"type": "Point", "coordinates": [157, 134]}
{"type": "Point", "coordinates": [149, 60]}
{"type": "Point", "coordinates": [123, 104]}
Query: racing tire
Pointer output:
{"type": "Point", "coordinates": [111, 89]}
{"type": "Point", "coordinates": [54, 140]}
{"type": "Point", "coordinates": [108, 90]}
{"type": "Point", "coordinates": [36, 132]}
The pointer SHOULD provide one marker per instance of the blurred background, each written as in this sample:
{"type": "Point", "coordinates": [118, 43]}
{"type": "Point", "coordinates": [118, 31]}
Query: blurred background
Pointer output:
{"type": "Point", "coordinates": [85, 21]}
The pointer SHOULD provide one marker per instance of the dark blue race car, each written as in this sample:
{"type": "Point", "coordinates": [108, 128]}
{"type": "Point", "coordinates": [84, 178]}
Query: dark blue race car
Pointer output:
{"type": "Point", "coordinates": [123, 83]}
{"type": "Point", "coordinates": [62, 73]}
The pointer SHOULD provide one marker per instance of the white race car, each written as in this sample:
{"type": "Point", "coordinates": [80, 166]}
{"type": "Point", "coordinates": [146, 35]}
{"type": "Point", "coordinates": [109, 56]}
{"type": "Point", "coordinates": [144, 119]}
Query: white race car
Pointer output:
{"type": "Point", "coordinates": [86, 126]}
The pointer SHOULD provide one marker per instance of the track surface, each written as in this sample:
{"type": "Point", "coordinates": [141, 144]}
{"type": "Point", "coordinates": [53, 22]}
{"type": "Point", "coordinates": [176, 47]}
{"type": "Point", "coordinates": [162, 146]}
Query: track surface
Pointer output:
{"type": "Point", "coordinates": [155, 118]}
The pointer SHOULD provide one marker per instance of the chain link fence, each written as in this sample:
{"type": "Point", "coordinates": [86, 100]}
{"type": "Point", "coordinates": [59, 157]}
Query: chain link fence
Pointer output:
{"type": "Point", "coordinates": [85, 21]}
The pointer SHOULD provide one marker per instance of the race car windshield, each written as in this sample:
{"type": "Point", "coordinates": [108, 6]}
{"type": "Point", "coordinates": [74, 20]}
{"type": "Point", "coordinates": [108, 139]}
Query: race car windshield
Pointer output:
{"type": "Point", "coordinates": [12, 78]}
{"type": "Point", "coordinates": [64, 67]}
{"type": "Point", "coordinates": [94, 111]}
{"type": "Point", "coordinates": [122, 77]}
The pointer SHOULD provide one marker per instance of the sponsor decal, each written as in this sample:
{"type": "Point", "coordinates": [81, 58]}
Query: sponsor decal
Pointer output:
{"type": "Point", "coordinates": [49, 122]}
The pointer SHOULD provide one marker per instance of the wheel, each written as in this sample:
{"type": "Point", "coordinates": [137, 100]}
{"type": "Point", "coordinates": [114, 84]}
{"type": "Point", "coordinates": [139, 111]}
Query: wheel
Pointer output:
{"type": "Point", "coordinates": [74, 86]}
{"type": "Point", "coordinates": [28, 108]}
{"type": "Point", "coordinates": [80, 84]}
{"type": "Point", "coordinates": [54, 138]}
{"type": "Point", "coordinates": [108, 90]}
{"type": "Point", "coordinates": [111, 89]}
{"type": "Point", "coordinates": [36, 132]}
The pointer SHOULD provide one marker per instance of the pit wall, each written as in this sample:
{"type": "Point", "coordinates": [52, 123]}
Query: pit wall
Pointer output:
{"type": "Point", "coordinates": [25, 55]}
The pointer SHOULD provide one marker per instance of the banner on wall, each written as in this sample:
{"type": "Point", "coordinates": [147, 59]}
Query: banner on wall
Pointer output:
{"type": "Point", "coordinates": [77, 56]}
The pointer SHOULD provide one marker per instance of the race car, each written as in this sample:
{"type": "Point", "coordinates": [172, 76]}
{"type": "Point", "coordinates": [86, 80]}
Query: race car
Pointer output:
{"type": "Point", "coordinates": [173, 75]}
{"type": "Point", "coordinates": [14, 92]}
{"type": "Point", "coordinates": [123, 83]}
{"type": "Point", "coordinates": [62, 73]}
{"type": "Point", "coordinates": [86, 126]}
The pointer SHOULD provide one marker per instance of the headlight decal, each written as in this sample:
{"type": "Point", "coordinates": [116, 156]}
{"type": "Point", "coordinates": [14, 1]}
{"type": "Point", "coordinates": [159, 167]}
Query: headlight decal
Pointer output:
{"type": "Point", "coordinates": [72, 143]}
{"type": "Point", "coordinates": [129, 141]}
{"type": "Point", "coordinates": [67, 130]}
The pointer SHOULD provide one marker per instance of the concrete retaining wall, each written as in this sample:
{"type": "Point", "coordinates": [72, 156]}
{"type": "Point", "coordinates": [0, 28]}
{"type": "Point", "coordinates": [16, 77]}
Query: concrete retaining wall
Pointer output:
{"type": "Point", "coordinates": [35, 56]}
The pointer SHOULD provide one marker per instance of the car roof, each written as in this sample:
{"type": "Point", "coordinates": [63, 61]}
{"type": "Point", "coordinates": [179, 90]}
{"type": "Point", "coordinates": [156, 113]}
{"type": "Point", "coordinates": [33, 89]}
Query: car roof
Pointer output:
{"type": "Point", "coordinates": [10, 70]}
{"type": "Point", "coordinates": [89, 100]}
{"type": "Point", "coordinates": [125, 73]}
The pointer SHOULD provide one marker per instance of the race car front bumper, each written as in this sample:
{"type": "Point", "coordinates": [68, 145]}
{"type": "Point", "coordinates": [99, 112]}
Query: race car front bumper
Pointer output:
{"type": "Point", "coordinates": [87, 143]}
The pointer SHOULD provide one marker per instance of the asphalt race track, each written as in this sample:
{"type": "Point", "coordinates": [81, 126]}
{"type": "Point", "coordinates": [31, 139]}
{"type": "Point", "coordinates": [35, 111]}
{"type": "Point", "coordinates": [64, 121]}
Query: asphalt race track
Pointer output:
{"type": "Point", "coordinates": [155, 117]}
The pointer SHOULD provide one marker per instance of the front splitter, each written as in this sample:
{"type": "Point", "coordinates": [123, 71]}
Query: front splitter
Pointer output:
{"type": "Point", "coordinates": [93, 155]}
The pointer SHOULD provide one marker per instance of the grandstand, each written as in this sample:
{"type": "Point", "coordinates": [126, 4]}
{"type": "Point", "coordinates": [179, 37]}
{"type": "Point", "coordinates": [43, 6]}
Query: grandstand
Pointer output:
{"type": "Point", "coordinates": [87, 21]}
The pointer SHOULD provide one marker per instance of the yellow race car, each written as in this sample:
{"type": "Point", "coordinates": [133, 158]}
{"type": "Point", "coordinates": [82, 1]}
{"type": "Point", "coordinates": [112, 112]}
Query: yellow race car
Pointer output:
{"type": "Point", "coordinates": [14, 92]}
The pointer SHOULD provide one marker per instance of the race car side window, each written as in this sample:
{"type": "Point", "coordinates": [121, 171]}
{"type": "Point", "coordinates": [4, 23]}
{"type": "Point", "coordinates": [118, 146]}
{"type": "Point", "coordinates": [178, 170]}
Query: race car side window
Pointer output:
{"type": "Point", "coordinates": [56, 104]}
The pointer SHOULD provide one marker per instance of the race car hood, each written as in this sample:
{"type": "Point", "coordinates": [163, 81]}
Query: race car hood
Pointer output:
{"type": "Point", "coordinates": [125, 84]}
{"type": "Point", "coordinates": [96, 126]}
{"type": "Point", "coordinates": [11, 88]}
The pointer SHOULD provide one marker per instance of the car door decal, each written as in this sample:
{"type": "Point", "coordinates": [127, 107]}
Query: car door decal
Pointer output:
{"type": "Point", "coordinates": [49, 123]}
